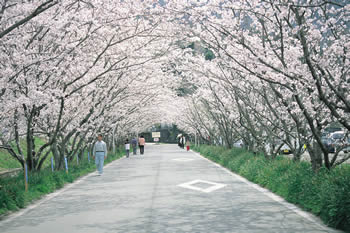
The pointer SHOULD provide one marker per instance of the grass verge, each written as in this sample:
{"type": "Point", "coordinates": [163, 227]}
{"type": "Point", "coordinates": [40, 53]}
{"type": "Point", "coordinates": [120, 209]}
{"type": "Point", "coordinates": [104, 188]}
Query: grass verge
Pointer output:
{"type": "Point", "coordinates": [325, 194]}
{"type": "Point", "coordinates": [12, 189]}
{"type": "Point", "coordinates": [8, 162]}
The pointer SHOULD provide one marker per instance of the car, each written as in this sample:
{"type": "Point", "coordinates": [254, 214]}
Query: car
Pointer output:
{"type": "Point", "coordinates": [238, 144]}
{"type": "Point", "coordinates": [335, 140]}
{"type": "Point", "coordinates": [330, 130]}
{"type": "Point", "coordinates": [337, 135]}
{"type": "Point", "coordinates": [329, 143]}
{"type": "Point", "coordinates": [347, 148]}
{"type": "Point", "coordinates": [285, 149]}
{"type": "Point", "coordinates": [339, 139]}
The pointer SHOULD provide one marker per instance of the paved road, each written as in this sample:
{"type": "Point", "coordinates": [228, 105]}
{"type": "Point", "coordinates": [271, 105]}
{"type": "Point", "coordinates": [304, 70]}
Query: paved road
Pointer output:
{"type": "Point", "coordinates": [142, 194]}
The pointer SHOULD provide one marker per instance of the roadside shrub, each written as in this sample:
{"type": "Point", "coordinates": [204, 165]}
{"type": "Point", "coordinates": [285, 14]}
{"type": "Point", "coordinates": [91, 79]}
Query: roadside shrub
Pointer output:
{"type": "Point", "coordinates": [58, 180]}
{"type": "Point", "coordinates": [7, 199]}
{"type": "Point", "coordinates": [326, 194]}
{"type": "Point", "coordinates": [251, 168]}
{"type": "Point", "coordinates": [236, 163]}
{"type": "Point", "coordinates": [335, 198]}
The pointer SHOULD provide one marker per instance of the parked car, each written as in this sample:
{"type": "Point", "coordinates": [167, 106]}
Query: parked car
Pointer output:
{"type": "Point", "coordinates": [328, 142]}
{"type": "Point", "coordinates": [339, 139]}
{"type": "Point", "coordinates": [238, 144]}
{"type": "Point", "coordinates": [330, 130]}
{"type": "Point", "coordinates": [334, 141]}
{"type": "Point", "coordinates": [338, 135]}
{"type": "Point", "coordinates": [347, 148]}
{"type": "Point", "coordinates": [285, 149]}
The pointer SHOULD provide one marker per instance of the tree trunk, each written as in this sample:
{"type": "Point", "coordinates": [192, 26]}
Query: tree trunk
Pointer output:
{"type": "Point", "coordinates": [315, 156]}
{"type": "Point", "coordinates": [29, 140]}
{"type": "Point", "coordinates": [56, 155]}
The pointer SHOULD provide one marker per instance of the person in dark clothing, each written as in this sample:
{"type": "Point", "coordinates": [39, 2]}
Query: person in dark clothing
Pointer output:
{"type": "Point", "coordinates": [183, 140]}
{"type": "Point", "coordinates": [134, 145]}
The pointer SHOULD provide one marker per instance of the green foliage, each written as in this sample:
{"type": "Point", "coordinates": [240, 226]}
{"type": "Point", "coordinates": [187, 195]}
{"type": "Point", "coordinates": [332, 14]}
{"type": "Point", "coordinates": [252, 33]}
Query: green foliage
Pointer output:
{"type": "Point", "coordinates": [8, 162]}
{"type": "Point", "coordinates": [191, 45]}
{"type": "Point", "coordinates": [335, 199]}
{"type": "Point", "coordinates": [12, 189]}
{"type": "Point", "coordinates": [325, 194]}
{"type": "Point", "coordinates": [208, 54]}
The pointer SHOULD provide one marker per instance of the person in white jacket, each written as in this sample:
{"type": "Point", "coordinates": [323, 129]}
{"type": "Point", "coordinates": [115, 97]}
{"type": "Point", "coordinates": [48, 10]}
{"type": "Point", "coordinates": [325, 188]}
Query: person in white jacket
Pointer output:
{"type": "Point", "coordinates": [99, 153]}
{"type": "Point", "coordinates": [127, 147]}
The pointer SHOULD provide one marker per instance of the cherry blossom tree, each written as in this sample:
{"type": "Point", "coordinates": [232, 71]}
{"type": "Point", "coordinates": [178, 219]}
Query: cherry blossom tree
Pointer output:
{"type": "Point", "coordinates": [297, 49]}
{"type": "Point", "coordinates": [278, 73]}
{"type": "Point", "coordinates": [67, 67]}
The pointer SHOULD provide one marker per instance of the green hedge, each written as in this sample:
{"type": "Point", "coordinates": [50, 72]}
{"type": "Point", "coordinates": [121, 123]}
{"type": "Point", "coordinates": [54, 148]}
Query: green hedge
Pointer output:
{"type": "Point", "coordinates": [325, 194]}
{"type": "Point", "coordinates": [12, 190]}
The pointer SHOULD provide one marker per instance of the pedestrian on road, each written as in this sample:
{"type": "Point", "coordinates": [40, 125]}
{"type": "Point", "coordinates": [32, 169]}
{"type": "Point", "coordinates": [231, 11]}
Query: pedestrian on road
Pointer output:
{"type": "Point", "coordinates": [134, 145]}
{"type": "Point", "coordinates": [127, 147]}
{"type": "Point", "coordinates": [188, 145]}
{"type": "Point", "coordinates": [179, 140]}
{"type": "Point", "coordinates": [99, 153]}
{"type": "Point", "coordinates": [183, 141]}
{"type": "Point", "coordinates": [142, 144]}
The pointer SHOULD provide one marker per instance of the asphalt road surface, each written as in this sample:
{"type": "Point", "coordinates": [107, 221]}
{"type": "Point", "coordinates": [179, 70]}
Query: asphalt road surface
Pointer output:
{"type": "Point", "coordinates": [165, 190]}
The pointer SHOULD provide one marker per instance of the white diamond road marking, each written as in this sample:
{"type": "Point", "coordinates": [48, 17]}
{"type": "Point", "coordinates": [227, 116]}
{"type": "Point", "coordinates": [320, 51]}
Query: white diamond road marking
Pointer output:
{"type": "Point", "coordinates": [190, 185]}
{"type": "Point", "coordinates": [183, 159]}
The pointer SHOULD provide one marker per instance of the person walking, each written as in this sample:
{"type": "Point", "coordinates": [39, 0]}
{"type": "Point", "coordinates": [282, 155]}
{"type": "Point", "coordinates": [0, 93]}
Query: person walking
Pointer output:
{"type": "Point", "coordinates": [127, 147]}
{"type": "Point", "coordinates": [188, 145]}
{"type": "Point", "coordinates": [142, 143]}
{"type": "Point", "coordinates": [179, 140]}
{"type": "Point", "coordinates": [134, 145]}
{"type": "Point", "coordinates": [183, 141]}
{"type": "Point", "coordinates": [99, 154]}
